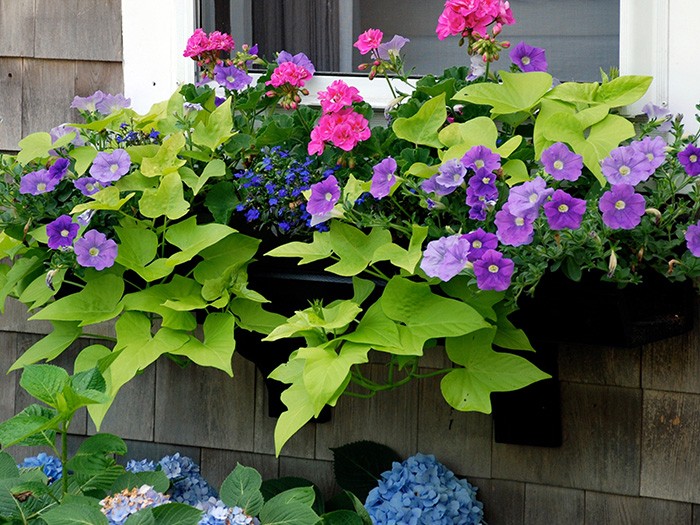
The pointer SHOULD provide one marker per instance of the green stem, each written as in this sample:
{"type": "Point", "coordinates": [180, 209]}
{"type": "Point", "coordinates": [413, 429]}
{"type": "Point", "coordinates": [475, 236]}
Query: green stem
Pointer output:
{"type": "Point", "coordinates": [64, 455]}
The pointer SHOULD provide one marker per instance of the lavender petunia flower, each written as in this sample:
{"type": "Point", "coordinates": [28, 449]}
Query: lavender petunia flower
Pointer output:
{"type": "Point", "coordinates": [659, 114]}
{"type": "Point", "coordinates": [323, 197]}
{"type": "Point", "coordinates": [478, 210]}
{"type": "Point", "coordinates": [95, 250]}
{"type": "Point", "coordinates": [690, 160]}
{"type": "Point", "coordinates": [477, 67]}
{"type": "Point", "coordinates": [110, 167]}
{"type": "Point", "coordinates": [37, 182]}
{"type": "Point", "coordinates": [59, 131]}
{"type": "Point", "coordinates": [85, 217]}
{"type": "Point", "coordinates": [88, 104]}
{"type": "Point", "coordinates": [564, 211]}
{"type": "Point", "coordinates": [384, 178]}
{"type": "Point", "coordinates": [112, 103]}
{"type": "Point", "coordinates": [392, 48]}
{"type": "Point", "coordinates": [493, 271]}
{"type": "Point", "coordinates": [58, 169]}
{"type": "Point", "coordinates": [61, 232]}
{"type": "Point", "coordinates": [525, 199]}
{"type": "Point", "coordinates": [626, 165]}
{"type": "Point", "coordinates": [692, 238]}
{"type": "Point", "coordinates": [653, 148]}
{"type": "Point", "coordinates": [528, 58]}
{"type": "Point", "coordinates": [231, 77]}
{"type": "Point", "coordinates": [88, 186]}
{"type": "Point", "coordinates": [481, 157]}
{"type": "Point", "coordinates": [300, 59]}
{"type": "Point", "coordinates": [621, 207]}
{"type": "Point", "coordinates": [432, 185]}
{"type": "Point", "coordinates": [513, 230]}
{"type": "Point", "coordinates": [562, 163]}
{"type": "Point", "coordinates": [451, 174]}
{"type": "Point", "coordinates": [480, 241]}
{"type": "Point", "coordinates": [445, 257]}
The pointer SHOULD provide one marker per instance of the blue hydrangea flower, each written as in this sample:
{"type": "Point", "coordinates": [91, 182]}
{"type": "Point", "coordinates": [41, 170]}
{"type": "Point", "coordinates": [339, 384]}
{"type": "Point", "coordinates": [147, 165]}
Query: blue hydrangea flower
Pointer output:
{"type": "Point", "coordinates": [144, 465]}
{"type": "Point", "coordinates": [216, 513]}
{"type": "Point", "coordinates": [51, 466]}
{"type": "Point", "coordinates": [120, 506]}
{"type": "Point", "coordinates": [422, 491]}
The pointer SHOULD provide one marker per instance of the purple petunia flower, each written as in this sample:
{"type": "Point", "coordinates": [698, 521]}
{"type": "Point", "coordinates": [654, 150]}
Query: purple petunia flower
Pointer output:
{"type": "Point", "coordinates": [513, 230]}
{"type": "Point", "coordinates": [477, 67]}
{"type": "Point", "coordinates": [525, 199]}
{"type": "Point", "coordinates": [300, 59]}
{"type": "Point", "coordinates": [61, 232]}
{"type": "Point", "coordinates": [478, 210]}
{"type": "Point", "coordinates": [392, 48]}
{"type": "Point", "coordinates": [481, 157]}
{"type": "Point", "coordinates": [653, 148]}
{"type": "Point", "coordinates": [660, 114]}
{"type": "Point", "coordinates": [88, 103]}
{"type": "Point", "coordinates": [480, 241]}
{"type": "Point", "coordinates": [445, 257]}
{"type": "Point", "coordinates": [110, 167]}
{"type": "Point", "coordinates": [451, 174]}
{"type": "Point", "coordinates": [231, 77]}
{"type": "Point", "coordinates": [323, 197]}
{"type": "Point", "coordinates": [626, 165]}
{"type": "Point", "coordinates": [564, 211]}
{"type": "Point", "coordinates": [37, 182]}
{"type": "Point", "coordinates": [88, 186]}
{"type": "Point", "coordinates": [432, 185]}
{"type": "Point", "coordinates": [95, 250]}
{"type": "Point", "coordinates": [690, 160]}
{"type": "Point", "coordinates": [112, 103]}
{"type": "Point", "coordinates": [384, 178]}
{"type": "Point", "coordinates": [58, 169]}
{"type": "Point", "coordinates": [483, 184]}
{"type": "Point", "coordinates": [528, 58]}
{"type": "Point", "coordinates": [59, 131]}
{"type": "Point", "coordinates": [692, 238]}
{"type": "Point", "coordinates": [493, 271]}
{"type": "Point", "coordinates": [562, 163]}
{"type": "Point", "coordinates": [622, 208]}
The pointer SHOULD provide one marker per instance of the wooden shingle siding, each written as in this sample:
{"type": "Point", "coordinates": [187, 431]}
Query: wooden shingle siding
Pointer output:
{"type": "Point", "coordinates": [50, 52]}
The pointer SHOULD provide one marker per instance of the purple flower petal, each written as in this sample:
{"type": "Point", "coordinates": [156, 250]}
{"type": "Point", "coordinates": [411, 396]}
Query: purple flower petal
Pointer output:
{"type": "Point", "coordinates": [95, 250]}
{"type": "Point", "coordinates": [61, 232]}
{"type": "Point", "coordinates": [445, 257]}
{"type": "Point", "coordinates": [384, 178]}
{"type": "Point", "coordinates": [493, 271]}
{"type": "Point", "coordinates": [621, 207]}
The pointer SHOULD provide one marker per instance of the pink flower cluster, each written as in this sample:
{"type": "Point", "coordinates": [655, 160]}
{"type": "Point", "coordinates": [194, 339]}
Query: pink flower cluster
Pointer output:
{"type": "Point", "coordinates": [289, 73]}
{"type": "Point", "coordinates": [340, 124]}
{"type": "Point", "coordinates": [463, 17]}
{"type": "Point", "coordinates": [200, 43]}
{"type": "Point", "coordinates": [368, 41]}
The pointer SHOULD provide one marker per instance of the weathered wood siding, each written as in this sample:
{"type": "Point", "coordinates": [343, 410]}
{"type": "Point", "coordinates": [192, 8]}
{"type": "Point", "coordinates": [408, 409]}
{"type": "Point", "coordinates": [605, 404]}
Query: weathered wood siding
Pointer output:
{"type": "Point", "coordinates": [50, 52]}
{"type": "Point", "coordinates": [631, 421]}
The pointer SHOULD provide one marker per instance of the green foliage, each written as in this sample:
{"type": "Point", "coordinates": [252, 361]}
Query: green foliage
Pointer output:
{"type": "Point", "coordinates": [358, 466]}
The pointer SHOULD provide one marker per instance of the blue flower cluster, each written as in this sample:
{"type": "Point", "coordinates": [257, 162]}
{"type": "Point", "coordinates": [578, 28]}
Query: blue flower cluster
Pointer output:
{"type": "Point", "coordinates": [422, 491]}
{"type": "Point", "coordinates": [120, 506]}
{"type": "Point", "coordinates": [51, 466]}
{"type": "Point", "coordinates": [216, 513]}
{"type": "Point", "coordinates": [272, 191]}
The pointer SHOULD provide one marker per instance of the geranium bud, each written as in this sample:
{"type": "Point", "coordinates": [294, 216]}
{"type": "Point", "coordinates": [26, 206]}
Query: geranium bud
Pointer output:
{"type": "Point", "coordinates": [612, 263]}
{"type": "Point", "coordinates": [270, 94]}
{"type": "Point", "coordinates": [304, 91]}
{"type": "Point", "coordinates": [485, 57]}
{"type": "Point", "coordinates": [505, 45]}
{"type": "Point", "coordinates": [377, 62]}
{"type": "Point", "coordinates": [362, 67]}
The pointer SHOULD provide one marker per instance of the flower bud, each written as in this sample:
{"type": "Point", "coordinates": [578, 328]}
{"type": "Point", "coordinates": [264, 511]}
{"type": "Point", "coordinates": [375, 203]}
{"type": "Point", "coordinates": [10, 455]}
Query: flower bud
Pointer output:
{"type": "Point", "coordinates": [362, 67]}
{"type": "Point", "coordinates": [612, 263]}
{"type": "Point", "coordinates": [672, 264]}
{"type": "Point", "coordinates": [505, 45]}
{"type": "Point", "coordinates": [656, 213]}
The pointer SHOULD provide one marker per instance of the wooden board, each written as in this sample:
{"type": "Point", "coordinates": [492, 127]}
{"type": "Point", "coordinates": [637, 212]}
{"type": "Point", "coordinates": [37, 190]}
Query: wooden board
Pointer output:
{"type": "Point", "coordinates": [600, 365]}
{"type": "Point", "coordinates": [549, 505]}
{"type": "Point", "coordinates": [10, 102]}
{"type": "Point", "coordinates": [46, 99]}
{"type": "Point", "coordinates": [17, 28]}
{"type": "Point", "coordinates": [626, 510]}
{"type": "Point", "coordinates": [504, 501]}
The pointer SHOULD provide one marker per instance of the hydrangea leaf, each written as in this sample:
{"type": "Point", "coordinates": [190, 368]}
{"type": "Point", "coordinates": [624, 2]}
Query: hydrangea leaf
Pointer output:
{"type": "Point", "coordinates": [326, 370]}
{"type": "Point", "coordinates": [74, 514]}
{"type": "Point", "coordinates": [50, 346]}
{"type": "Point", "coordinates": [217, 129]}
{"type": "Point", "coordinates": [38, 292]}
{"type": "Point", "coordinates": [83, 155]}
{"type": "Point", "coordinates": [215, 168]}
{"type": "Point", "coordinates": [319, 248]}
{"type": "Point", "coordinates": [129, 480]}
{"type": "Point", "coordinates": [517, 92]}
{"type": "Point", "coordinates": [428, 315]}
{"type": "Point", "coordinates": [241, 488]}
{"type": "Point", "coordinates": [32, 426]}
{"type": "Point", "coordinates": [34, 146]}
{"type": "Point", "coordinates": [175, 513]}
{"type": "Point", "coordinates": [168, 199]}
{"type": "Point", "coordinates": [137, 247]}
{"type": "Point", "coordinates": [97, 302]}
{"type": "Point", "coordinates": [44, 382]}
{"type": "Point", "coordinates": [422, 128]}
{"type": "Point", "coordinates": [485, 371]}
{"type": "Point", "coordinates": [406, 259]}
{"type": "Point", "coordinates": [288, 513]}
{"type": "Point", "coordinates": [217, 348]}
{"type": "Point", "coordinates": [105, 199]}
{"type": "Point", "coordinates": [165, 161]}
{"type": "Point", "coordinates": [354, 248]}
{"type": "Point", "coordinates": [515, 171]}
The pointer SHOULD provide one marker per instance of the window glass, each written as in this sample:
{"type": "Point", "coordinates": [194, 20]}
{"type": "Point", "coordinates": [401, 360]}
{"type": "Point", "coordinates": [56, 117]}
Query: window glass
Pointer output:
{"type": "Point", "coordinates": [580, 36]}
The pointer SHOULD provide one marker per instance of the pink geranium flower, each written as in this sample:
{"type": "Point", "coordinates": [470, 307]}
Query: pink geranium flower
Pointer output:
{"type": "Point", "coordinates": [369, 41]}
{"type": "Point", "coordinates": [337, 96]}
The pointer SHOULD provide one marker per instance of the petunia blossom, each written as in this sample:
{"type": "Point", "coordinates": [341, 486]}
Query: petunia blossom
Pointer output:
{"type": "Point", "coordinates": [526, 198]}
{"type": "Point", "coordinates": [562, 163]}
{"type": "Point", "coordinates": [110, 167]}
{"type": "Point", "coordinates": [445, 257]}
{"type": "Point", "coordinates": [480, 241]}
{"type": "Point", "coordinates": [621, 207]}
{"type": "Point", "coordinates": [690, 160]}
{"type": "Point", "coordinates": [61, 232]}
{"type": "Point", "coordinates": [451, 173]}
{"type": "Point", "coordinates": [564, 211]}
{"type": "Point", "coordinates": [231, 77]}
{"type": "Point", "coordinates": [323, 196]}
{"type": "Point", "coordinates": [481, 158]}
{"type": "Point", "coordinates": [383, 178]}
{"type": "Point", "coordinates": [493, 271]}
{"type": "Point", "coordinates": [653, 148]}
{"type": "Point", "coordinates": [391, 49]}
{"type": "Point", "coordinates": [88, 104]}
{"type": "Point", "coordinates": [513, 230]}
{"type": "Point", "coordinates": [58, 169]}
{"type": "Point", "coordinates": [88, 185]}
{"type": "Point", "coordinates": [95, 250]}
{"type": "Point", "coordinates": [528, 58]}
{"type": "Point", "coordinates": [692, 238]}
{"type": "Point", "coordinates": [112, 103]}
{"type": "Point", "coordinates": [626, 165]}
{"type": "Point", "coordinates": [37, 182]}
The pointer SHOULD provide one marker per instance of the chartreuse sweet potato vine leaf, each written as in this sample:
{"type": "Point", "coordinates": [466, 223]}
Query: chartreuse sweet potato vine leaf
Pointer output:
{"type": "Point", "coordinates": [518, 92]}
{"type": "Point", "coordinates": [37, 145]}
{"type": "Point", "coordinates": [406, 259]}
{"type": "Point", "coordinates": [106, 199]}
{"type": "Point", "coordinates": [422, 128]}
{"type": "Point", "coordinates": [217, 129]}
{"type": "Point", "coordinates": [168, 199]}
{"type": "Point", "coordinates": [215, 168]}
{"type": "Point", "coordinates": [484, 371]}
{"type": "Point", "coordinates": [50, 346]}
{"type": "Point", "coordinates": [217, 348]}
{"type": "Point", "coordinates": [320, 248]}
{"type": "Point", "coordinates": [354, 248]}
{"type": "Point", "coordinates": [621, 91]}
{"type": "Point", "coordinates": [165, 161]}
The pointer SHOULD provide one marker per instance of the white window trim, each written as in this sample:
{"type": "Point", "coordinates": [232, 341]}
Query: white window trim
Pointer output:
{"type": "Point", "coordinates": [154, 65]}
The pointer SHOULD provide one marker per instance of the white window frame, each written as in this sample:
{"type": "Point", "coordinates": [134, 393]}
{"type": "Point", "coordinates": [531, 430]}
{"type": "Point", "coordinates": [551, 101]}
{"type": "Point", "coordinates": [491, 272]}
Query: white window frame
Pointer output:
{"type": "Point", "coordinates": [154, 65]}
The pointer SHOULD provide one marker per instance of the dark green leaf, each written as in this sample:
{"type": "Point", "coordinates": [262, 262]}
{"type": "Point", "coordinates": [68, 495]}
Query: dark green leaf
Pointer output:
{"type": "Point", "coordinates": [176, 514]}
{"type": "Point", "coordinates": [358, 466]}
{"type": "Point", "coordinates": [129, 480]}
{"type": "Point", "coordinates": [242, 489]}
{"type": "Point", "coordinates": [74, 514]}
{"type": "Point", "coordinates": [8, 466]}
{"type": "Point", "coordinates": [341, 517]}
